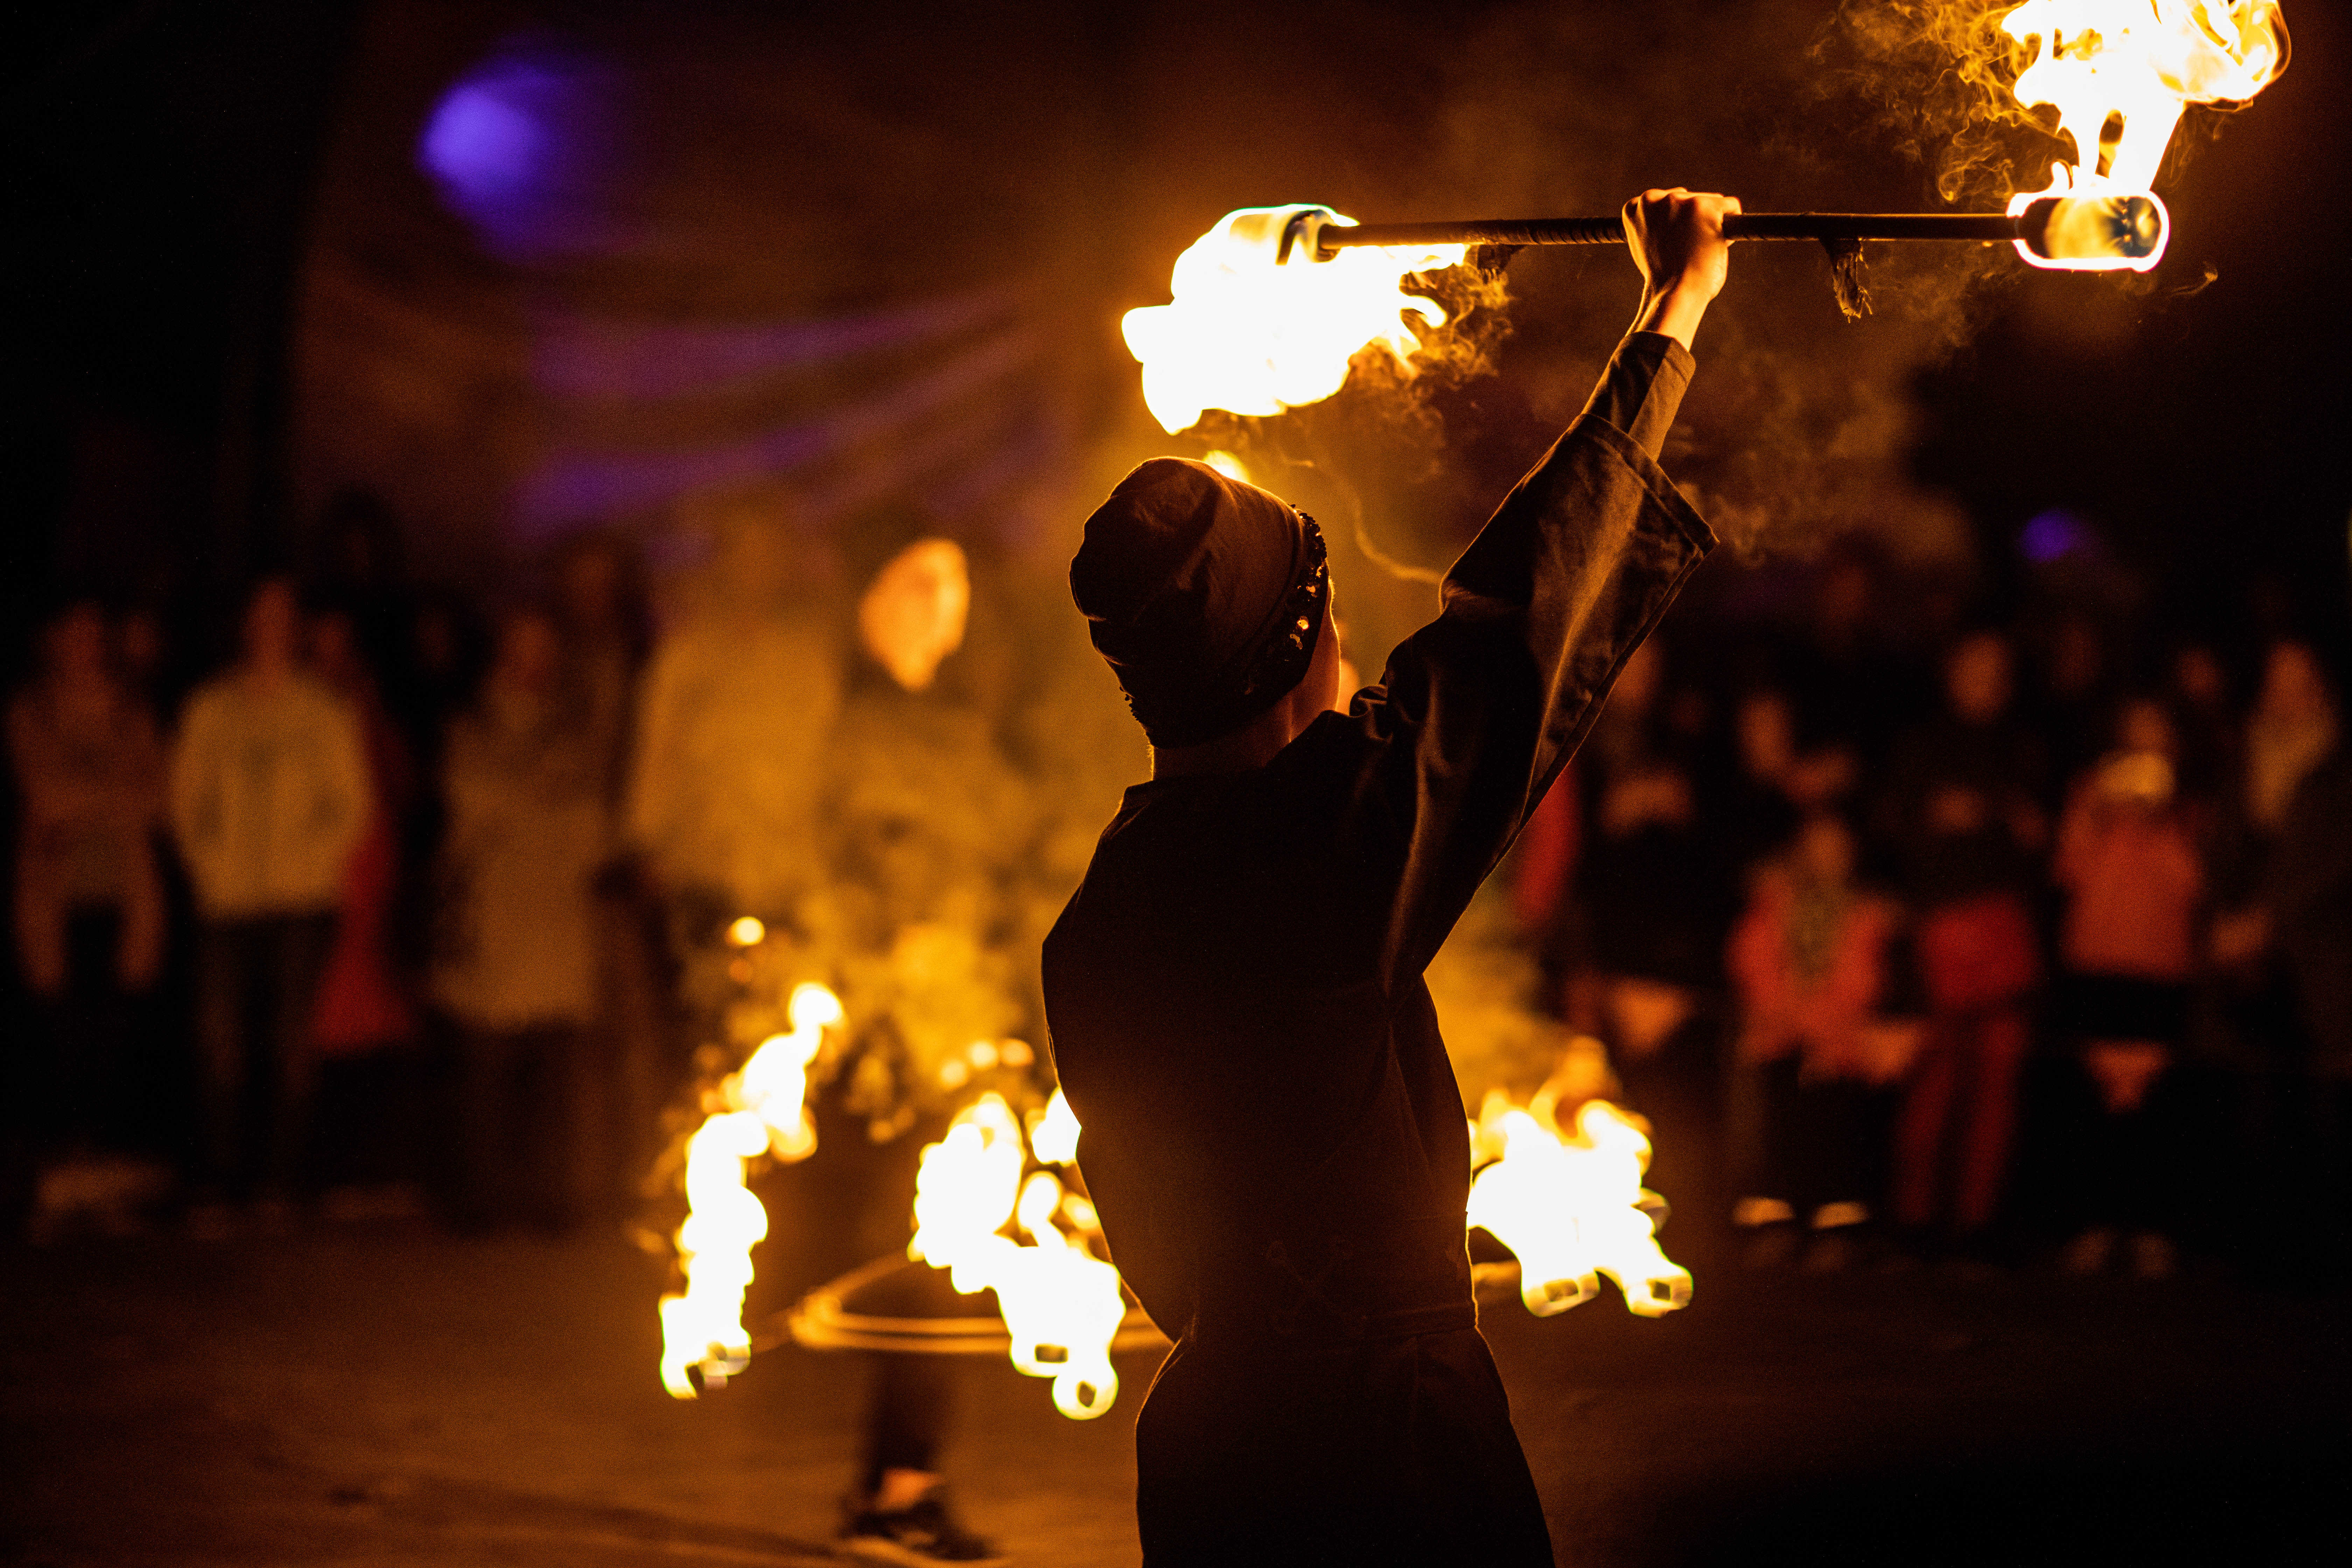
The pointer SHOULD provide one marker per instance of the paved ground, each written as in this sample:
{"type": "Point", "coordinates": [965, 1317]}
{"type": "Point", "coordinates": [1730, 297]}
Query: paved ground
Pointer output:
{"type": "Point", "coordinates": [388, 1396]}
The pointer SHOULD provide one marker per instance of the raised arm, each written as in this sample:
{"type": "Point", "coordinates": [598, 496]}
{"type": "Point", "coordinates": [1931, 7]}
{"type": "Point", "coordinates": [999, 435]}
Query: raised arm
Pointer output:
{"type": "Point", "coordinates": [1482, 707]}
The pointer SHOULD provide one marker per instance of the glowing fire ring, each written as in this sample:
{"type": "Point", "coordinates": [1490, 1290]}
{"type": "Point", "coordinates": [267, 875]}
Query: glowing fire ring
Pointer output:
{"type": "Point", "coordinates": [826, 1319]}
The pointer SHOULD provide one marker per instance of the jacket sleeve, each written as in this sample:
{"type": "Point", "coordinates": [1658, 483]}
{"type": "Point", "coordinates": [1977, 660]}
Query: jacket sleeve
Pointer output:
{"type": "Point", "coordinates": [1483, 707]}
{"type": "Point", "coordinates": [193, 791]}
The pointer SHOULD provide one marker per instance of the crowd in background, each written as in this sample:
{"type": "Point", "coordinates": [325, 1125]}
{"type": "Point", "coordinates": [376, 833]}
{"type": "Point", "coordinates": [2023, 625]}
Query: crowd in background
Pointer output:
{"type": "Point", "coordinates": [330, 917]}
{"type": "Point", "coordinates": [1918, 935]}
{"type": "Point", "coordinates": [1909, 934]}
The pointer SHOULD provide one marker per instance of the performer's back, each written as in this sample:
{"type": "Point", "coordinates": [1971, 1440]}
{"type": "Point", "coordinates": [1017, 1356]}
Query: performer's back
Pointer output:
{"type": "Point", "coordinates": [1273, 1132]}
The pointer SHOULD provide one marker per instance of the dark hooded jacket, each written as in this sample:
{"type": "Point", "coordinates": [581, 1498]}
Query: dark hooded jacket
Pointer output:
{"type": "Point", "coordinates": [1272, 1132]}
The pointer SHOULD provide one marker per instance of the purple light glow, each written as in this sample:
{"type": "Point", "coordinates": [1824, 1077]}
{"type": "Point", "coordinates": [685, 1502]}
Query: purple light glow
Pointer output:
{"type": "Point", "coordinates": [2055, 534]}
{"type": "Point", "coordinates": [483, 147]}
{"type": "Point", "coordinates": [527, 146]}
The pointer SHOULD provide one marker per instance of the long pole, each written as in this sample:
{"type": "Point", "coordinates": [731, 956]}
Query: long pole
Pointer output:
{"type": "Point", "coordinates": [1610, 230]}
{"type": "Point", "coordinates": [2102, 230]}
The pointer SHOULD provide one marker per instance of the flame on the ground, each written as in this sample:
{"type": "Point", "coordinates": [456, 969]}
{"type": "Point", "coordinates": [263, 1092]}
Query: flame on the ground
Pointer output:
{"type": "Point", "coordinates": [1573, 1209]}
{"type": "Point", "coordinates": [1247, 333]}
{"type": "Point", "coordinates": [1061, 1304]}
{"type": "Point", "coordinates": [2120, 73]}
{"type": "Point", "coordinates": [761, 1111]}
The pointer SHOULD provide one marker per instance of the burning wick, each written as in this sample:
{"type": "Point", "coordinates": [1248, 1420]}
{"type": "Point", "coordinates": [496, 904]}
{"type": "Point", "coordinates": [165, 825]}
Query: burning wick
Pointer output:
{"type": "Point", "coordinates": [1572, 1209]}
{"type": "Point", "coordinates": [1061, 1304]}
{"type": "Point", "coordinates": [759, 1110]}
{"type": "Point", "coordinates": [1249, 333]}
{"type": "Point", "coordinates": [1244, 333]}
{"type": "Point", "coordinates": [2130, 67]}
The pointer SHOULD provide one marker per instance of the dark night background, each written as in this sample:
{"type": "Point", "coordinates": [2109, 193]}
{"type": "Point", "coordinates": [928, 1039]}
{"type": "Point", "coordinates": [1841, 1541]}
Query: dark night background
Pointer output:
{"type": "Point", "coordinates": [206, 188]}
{"type": "Point", "coordinates": [243, 297]}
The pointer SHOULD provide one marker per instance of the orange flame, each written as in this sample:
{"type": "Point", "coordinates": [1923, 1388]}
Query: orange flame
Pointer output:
{"type": "Point", "coordinates": [1060, 1304]}
{"type": "Point", "coordinates": [1573, 1209]}
{"type": "Point", "coordinates": [759, 1110]}
{"type": "Point", "coordinates": [2121, 73]}
{"type": "Point", "coordinates": [1249, 335]}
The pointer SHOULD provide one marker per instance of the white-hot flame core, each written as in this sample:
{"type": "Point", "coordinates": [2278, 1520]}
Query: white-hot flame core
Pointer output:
{"type": "Point", "coordinates": [1061, 1304]}
{"type": "Point", "coordinates": [1250, 334]}
{"type": "Point", "coordinates": [2136, 65]}
{"type": "Point", "coordinates": [1054, 1135]}
{"type": "Point", "coordinates": [760, 1110]}
{"type": "Point", "coordinates": [1569, 1209]}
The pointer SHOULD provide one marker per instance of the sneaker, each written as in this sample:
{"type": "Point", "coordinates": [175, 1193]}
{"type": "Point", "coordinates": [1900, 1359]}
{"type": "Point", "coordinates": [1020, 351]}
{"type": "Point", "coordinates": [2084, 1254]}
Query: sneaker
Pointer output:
{"type": "Point", "coordinates": [927, 1532]}
{"type": "Point", "coordinates": [2089, 1253]}
{"type": "Point", "coordinates": [1831, 1252]}
{"type": "Point", "coordinates": [2154, 1256]}
{"type": "Point", "coordinates": [1769, 1246]}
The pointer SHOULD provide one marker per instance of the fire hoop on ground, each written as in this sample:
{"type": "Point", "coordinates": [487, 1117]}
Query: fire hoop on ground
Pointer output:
{"type": "Point", "coordinates": [830, 1317]}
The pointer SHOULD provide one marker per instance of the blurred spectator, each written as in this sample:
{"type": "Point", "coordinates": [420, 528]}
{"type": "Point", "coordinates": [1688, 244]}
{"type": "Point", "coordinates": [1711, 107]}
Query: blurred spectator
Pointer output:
{"type": "Point", "coordinates": [359, 579]}
{"type": "Point", "coordinates": [1810, 963]}
{"type": "Point", "coordinates": [733, 723]}
{"type": "Point", "coordinates": [2128, 862]}
{"type": "Point", "coordinates": [145, 651]}
{"type": "Point", "coordinates": [89, 909]}
{"type": "Point", "coordinates": [1652, 910]}
{"type": "Point", "coordinates": [269, 796]}
{"type": "Point", "coordinates": [2299, 769]}
{"type": "Point", "coordinates": [528, 829]}
{"type": "Point", "coordinates": [600, 607]}
{"type": "Point", "coordinates": [1773, 785]}
{"type": "Point", "coordinates": [601, 612]}
{"type": "Point", "coordinates": [1847, 688]}
{"type": "Point", "coordinates": [1645, 867]}
{"type": "Point", "coordinates": [1543, 873]}
{"type": "Point", "coordinates": [445, 656]}
{"type": "Point", "coordinates": [362, 1004]}
{"type": "Point", "coordinates": [2074, 711]}
{"type": "Point", "coordinates": [929, 831]}
{"type": "Point", "coordinates": [2291, 732]}
{"type": "Point", "coordinates": [2207, 724]}
{"type": "Point", "coordinates": [1964, 816]}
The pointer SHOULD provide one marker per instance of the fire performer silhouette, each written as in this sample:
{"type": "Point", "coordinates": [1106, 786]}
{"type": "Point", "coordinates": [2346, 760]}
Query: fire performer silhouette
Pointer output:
{"type": "Point", "coordinates": [1272, 1132]}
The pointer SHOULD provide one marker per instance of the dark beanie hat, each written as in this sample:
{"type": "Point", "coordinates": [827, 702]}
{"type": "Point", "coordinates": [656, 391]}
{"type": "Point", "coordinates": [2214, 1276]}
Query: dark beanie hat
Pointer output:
{"type": "Point", "coordinates": [1205, 594]}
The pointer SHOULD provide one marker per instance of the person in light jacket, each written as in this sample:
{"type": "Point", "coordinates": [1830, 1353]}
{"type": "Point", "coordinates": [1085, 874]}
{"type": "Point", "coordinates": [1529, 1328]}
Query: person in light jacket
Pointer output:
{"type": "Point", "coordinates": [529, 827]}
{"type": "Point", "coordinates": [88, 900]}
{"type": "Point", "coordinates": [269, 794]}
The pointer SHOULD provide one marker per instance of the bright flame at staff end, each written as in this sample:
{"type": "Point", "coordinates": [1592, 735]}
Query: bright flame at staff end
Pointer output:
{"type": "Point", "coordinates": [759, 1110]}
{"type": "Point", "coordinates": [2132, 67]}
{"type": "Point", "coordinates": [1247, 333]}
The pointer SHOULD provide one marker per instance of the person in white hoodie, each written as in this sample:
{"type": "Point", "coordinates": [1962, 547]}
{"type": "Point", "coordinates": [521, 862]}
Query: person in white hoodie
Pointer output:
{"type": "Point", "coordinates": [269, 796]}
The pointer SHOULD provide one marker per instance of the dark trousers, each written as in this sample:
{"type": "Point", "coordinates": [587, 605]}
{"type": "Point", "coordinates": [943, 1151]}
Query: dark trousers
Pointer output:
{"type": "Point", "coordinates": [257, 983]}
{"type": "Point", "coordinates": [71, 1086]}
{"type": "Point", "coordinates": [1824, 1140]}
{"type": "Point", "coordinates": [2129, 1163]}
{"type": "Point", "coordinates": [518, 1115]}
{"type": "Point", "coordinates": [1396, 1451]}
{"type": "Point", "coordinates": [910, 1404]}
{"type": "Point", "coordinates": [1958, 1120]}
